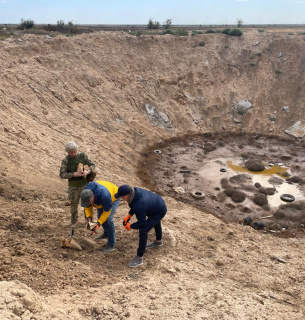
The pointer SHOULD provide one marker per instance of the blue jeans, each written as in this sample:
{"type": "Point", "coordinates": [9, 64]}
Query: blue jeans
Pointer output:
{"type": "Point", "coordinates": [108, 225]}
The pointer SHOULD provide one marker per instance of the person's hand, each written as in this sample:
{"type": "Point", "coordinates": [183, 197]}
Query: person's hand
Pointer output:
{"type": "Point", "coordinates": [89, 219]}
{"type": "Point", "coordinates": [126, 219]}
{"type": "Point", "coordinates": [127, 226]}
{"type": "Point", "coordinates": [86, 172]}
{"type": "Point", "coordinates": [93, 230]}
{"type": "Point", "coordinates": [77, 174]}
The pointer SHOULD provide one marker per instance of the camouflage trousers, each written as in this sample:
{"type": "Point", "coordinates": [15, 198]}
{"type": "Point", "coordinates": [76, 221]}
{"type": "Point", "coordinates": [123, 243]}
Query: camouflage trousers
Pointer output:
{"type": "Point", "coordinates": [74, 196]}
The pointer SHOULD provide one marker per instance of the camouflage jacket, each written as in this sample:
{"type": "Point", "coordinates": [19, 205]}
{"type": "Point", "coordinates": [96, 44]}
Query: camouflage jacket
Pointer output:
{"type": "Point", "coordinates": [69, 166]}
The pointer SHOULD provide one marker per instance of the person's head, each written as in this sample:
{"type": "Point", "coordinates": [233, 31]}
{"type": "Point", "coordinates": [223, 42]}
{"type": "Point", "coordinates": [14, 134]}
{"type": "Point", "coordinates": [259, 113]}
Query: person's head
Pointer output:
{"type": "Point", "coordinates": [123, 192]}
{"type": "Point", "coordinates": [87, 198]}
{"type": "Point", "coordinates": [71, 148]}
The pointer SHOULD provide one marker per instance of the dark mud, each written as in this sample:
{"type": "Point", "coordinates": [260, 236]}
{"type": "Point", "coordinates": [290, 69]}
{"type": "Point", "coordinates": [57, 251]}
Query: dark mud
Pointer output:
{"type": "Point", "coordinates": [209, 172]}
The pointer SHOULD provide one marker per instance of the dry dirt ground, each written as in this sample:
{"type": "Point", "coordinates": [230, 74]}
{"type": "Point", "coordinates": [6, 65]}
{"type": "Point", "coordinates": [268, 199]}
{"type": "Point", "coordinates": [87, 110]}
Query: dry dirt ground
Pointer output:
{"type": "Point", "coordinates": [121, 97]}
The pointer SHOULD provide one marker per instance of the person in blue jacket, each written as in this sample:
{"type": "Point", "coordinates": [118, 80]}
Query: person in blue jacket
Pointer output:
{"type": "Point", "coordinates": [101, 195]}
{"type": "Point", "coordinates": [149, 209]}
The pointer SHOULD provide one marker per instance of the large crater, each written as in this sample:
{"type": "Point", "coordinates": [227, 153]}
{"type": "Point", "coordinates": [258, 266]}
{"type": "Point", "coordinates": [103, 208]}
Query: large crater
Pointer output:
{"type": "Point", "coordinates": [213, 172]}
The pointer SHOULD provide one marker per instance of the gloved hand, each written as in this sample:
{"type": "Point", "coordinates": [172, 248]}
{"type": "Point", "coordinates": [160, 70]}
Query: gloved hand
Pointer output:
{"type": "Point", "coordinates": [126, 220]}
{"type": "Point", "coordinates": [127, 226]}
{"type": "Point", "coordinates": [89, 219]}
{"type": "Point", "coordinates": [93, 230]}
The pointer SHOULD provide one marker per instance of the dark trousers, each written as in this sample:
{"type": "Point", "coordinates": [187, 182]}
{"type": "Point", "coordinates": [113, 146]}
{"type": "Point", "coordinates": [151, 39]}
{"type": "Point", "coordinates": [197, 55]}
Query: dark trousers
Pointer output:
{"type": "Point", "coordinates": [152, 222]}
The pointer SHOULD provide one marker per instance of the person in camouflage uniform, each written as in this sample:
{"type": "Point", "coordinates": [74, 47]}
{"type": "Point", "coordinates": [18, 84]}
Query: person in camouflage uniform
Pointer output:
{"type": "Point", "coordinates": [76, 179]}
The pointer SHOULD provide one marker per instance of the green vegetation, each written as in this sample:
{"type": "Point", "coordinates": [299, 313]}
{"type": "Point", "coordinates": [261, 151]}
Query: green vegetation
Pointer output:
{"type": "Point", "coordinates": [167, 24]}
{"type": "Point", "coordinates": [278, 71]}
{"type": "Point", "coordinates": [259, 54]}
{"type": "Point", "coordinates": [168, 32]}
{"type": "Point", "coordinates": [252, 64]}
{"type": "Point", "coordinates": [236, 33]}
{"type": "Point", "coordinates": [194, 32]}
{"type": "Point", "coordinates": [261, 30]}
{"type": "Point", "coordinates": [211, 31]}
{"type": "Point", "coordinates": [181, 32]}
{"type": "Point", "coordinates": [239, 22]}
{"type": "Point", "coordinates": [226, 31]}
{"type": "Point", "coordinates": [153, 24]}
{"type": "Point", "coordinates": [201, 44]}
{"type": "Point", "coordinates": [26, 24]}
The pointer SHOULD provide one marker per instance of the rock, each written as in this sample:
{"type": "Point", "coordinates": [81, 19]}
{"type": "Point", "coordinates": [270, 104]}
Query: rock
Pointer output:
{"type": "Point", "coordinates": [179, 190]}
{"type": "Point", "coordinates": [297, 130]}
{"type": "Point", "coordinates": [243, 106]}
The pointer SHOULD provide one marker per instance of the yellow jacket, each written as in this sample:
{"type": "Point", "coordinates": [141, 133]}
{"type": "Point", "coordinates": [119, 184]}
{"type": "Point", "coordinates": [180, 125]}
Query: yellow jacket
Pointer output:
{"type": "Point", "coordinates": [104, 192]}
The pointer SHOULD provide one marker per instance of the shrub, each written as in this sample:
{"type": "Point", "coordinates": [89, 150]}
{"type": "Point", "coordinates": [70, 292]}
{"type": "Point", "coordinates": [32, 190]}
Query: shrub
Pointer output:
{"type": "Point", "coordinates": [252, 64]}
{"type": "Point", "coordinates": [201, 44]}
{"type": "Point", "coordinates": [257, 185]}
{"type": "Point", "coordinates": [263, 190]}
{"type": "Point", "coordinates": [225, 183]}
{"type": "Point", "coordinates": [211, 31]}
{"type": "Point", "coordinates": [26, 24]}
{"type": "Point", "coordinates": [181, 32]}
{"type": "Point", "coordinates": [238, 196]}
{"type": "Point", "coordinates": [260, 199]}
{"type": "Point", "coordinates": [167, 23]}
{"type": "Point", "coordinates": [235, 33]}
{"type": "Point", "coordinates": [60, 24]}
{"type": "Point", "coordinates": [139, 33]}
{"type": "Point", "coordinates": [226, 31]}
{"type": "Point", "coordinates": [255, 165]}
{"type": "Point", "coordinates": [229, 192]}
{"type": "Point", "coordinates": [221, 196]}
{"type": "Point", "coordinates": [168, 32]}
{"type": "Point", "coordinates": [261, 30]}
{"type": "Point", "coordinates": [278, 71]}
{"type": "Point", "coordinates": [279, 214]}
{"type": "Point", "coordinates": [153, 24]}
{"type": "Point", "coordinates": [239, 22]}
{"type": "Point", "coordinates": [295, 179]}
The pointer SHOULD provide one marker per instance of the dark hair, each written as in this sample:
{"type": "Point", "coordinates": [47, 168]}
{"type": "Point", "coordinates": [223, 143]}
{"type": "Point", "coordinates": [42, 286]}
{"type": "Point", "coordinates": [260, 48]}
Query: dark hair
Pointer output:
{"type": "Point", "coordinates": [91, 176]}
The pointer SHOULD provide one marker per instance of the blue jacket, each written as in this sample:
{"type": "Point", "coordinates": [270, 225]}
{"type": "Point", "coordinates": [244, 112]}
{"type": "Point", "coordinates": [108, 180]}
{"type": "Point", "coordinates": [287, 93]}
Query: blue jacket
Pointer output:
{"type": "Point", "coordinates": [104, 192]}
{"type": "Point", "coordinates": [145, 204]}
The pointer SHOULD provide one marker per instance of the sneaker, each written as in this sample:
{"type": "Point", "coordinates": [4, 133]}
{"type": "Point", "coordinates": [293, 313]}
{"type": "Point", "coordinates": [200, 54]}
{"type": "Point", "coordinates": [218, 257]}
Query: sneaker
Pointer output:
{"type": "Point", "coordinates": [154, 244]}
{"type": "Point", "coordinates": [135, 262]}
{"type": "Point", "coordinates": [108, 249]}
{"type": "Point", "coordinates": [102, 236]}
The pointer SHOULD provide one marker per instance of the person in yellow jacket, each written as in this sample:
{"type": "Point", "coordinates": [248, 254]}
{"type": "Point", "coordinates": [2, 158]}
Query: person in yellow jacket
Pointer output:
{"type": "Point", "coordinates": [100, 194]}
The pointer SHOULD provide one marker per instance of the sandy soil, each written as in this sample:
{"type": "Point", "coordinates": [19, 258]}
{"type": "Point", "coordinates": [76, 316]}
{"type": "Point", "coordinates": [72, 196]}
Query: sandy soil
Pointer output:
{"type": "Point", "coordinates": [120, 98]}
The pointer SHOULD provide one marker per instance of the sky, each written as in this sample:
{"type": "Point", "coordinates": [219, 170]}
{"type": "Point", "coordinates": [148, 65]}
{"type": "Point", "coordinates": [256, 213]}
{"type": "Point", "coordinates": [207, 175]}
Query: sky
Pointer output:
{"type": "Point", "coordinates": [183, 12]}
